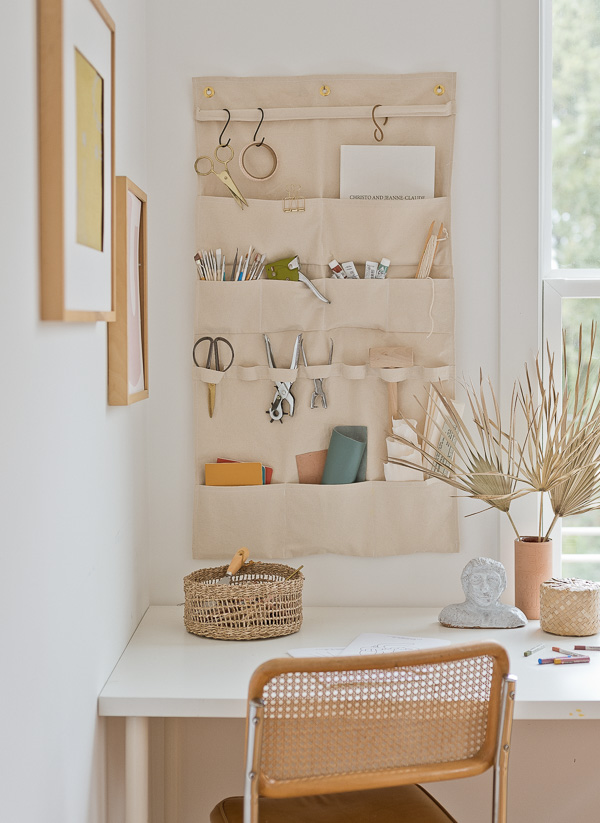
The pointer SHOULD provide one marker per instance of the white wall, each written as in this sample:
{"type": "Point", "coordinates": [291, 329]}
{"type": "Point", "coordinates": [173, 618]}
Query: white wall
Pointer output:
{"type": "Point", "coordinates": [73, 568]}
{"type": "Point", "coordinates": [268, 37]}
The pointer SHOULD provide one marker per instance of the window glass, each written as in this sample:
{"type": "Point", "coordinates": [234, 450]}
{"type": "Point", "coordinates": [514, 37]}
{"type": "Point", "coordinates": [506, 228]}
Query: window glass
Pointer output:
{"type": "Point", "coordinates": [576, 134]}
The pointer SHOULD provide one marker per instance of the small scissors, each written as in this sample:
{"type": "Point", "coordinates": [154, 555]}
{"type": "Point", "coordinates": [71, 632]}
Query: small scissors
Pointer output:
{"type": "Point", "coordinates": [318, 381]}
{"type": "Point", "coordinates": [283, 391]}
{"type": "Point", "coordinates": [223, 176]}
{"type": "Point", "coordinates": [213, 352]}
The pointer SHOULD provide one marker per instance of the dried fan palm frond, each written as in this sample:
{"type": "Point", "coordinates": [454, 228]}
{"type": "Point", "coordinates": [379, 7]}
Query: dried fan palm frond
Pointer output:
{"type": "Point", "coordinates": [483, 466]}
{"type": "Point", "coordinates": [579, 444]}
{"type": "Point", "coordinates": [561, 450]}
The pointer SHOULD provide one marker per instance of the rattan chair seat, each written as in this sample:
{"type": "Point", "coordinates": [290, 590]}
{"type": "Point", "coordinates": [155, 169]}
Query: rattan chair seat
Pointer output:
{"type": "Point", "coordinates": [398, 804]}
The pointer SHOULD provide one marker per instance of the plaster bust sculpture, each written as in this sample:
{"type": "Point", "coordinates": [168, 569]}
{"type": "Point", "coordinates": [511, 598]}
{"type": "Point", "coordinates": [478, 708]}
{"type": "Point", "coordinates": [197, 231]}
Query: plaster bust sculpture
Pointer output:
{"type": "Point", "coordinates": [483, 581]}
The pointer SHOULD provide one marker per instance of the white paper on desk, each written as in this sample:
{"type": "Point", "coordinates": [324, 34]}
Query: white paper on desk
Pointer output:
{"type": "Point", "coordinates": [333, 651]}
{"type": "Point", "coordinates": [387, 172]}
{"type": "Point", "coordinates": [388, 643]}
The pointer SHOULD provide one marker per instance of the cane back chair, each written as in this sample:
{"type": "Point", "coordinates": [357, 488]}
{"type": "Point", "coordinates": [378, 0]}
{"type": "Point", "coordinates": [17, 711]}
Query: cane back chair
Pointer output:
{"type": "Point", "coordinates": [347, 739]}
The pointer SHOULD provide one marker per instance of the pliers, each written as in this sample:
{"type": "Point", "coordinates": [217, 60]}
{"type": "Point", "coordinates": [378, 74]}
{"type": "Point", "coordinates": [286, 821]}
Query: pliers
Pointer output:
{"type": "Point", "coordinates": [318, 381]}
{"type": "Point", "coordinates": [283, 391]}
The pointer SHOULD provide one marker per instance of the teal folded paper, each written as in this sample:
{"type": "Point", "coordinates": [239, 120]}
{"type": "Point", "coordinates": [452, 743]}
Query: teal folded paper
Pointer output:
{"type": "Point", "coordinates": [346, 457]}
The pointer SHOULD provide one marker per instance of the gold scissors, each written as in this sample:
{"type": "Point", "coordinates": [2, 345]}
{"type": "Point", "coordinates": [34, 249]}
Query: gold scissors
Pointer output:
{"type": "Point", "coordinates": [213, 358]}
{"type": "Point", "coordinates": [223, 176]}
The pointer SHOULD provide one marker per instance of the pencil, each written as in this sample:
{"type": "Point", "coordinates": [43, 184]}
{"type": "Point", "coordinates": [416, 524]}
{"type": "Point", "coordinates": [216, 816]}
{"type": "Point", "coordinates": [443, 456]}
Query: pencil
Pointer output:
{"type": "Point", "coordinates": [572, 660]}
{"type": "Point", "coordinates": [534, 649]}
{"type": "Point", "coordinates": [566, 651]}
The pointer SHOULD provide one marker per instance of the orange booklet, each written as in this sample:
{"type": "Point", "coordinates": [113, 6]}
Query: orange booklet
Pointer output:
{"type": "Point", "coordinates": [233, 474]}
{"type": "Point", "coordinates": [268, 471]}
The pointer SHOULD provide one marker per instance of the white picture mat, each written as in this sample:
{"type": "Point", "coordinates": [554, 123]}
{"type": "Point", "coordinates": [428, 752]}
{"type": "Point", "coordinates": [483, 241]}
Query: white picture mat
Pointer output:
{"type": "Point", "coordinates": [372, 644]}
{"type": "Point", "coordinates": [88, 272]}
{"type": "Point", "coordinates": [388, 643]}
{"type": "Point", "coordinates": [387, 172]}
{"type": "Point", "coordinates": [135, 351]}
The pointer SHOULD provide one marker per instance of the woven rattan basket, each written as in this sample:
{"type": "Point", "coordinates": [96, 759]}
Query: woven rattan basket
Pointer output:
{"type": "Point", "coordinates": [570, 607]}
{"type": "Point", "coordinates": [259, 602]}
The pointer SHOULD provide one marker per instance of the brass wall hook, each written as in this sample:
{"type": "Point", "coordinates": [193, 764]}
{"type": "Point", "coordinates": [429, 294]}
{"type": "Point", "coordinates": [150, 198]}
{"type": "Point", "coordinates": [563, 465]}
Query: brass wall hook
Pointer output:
{"type": "Point", "coordinates": [377, 126]}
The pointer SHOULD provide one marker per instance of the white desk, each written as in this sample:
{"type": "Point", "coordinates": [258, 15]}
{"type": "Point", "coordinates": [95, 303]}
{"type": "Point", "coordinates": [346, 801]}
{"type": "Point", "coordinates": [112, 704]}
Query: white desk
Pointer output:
{"type": "Point", "coordinates": [166, 672]}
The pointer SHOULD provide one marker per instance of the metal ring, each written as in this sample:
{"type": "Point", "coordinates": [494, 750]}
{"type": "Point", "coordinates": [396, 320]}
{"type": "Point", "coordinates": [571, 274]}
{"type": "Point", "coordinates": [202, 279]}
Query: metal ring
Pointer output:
{"type": "Point", "coordinates": [208, 92]}
{"type": "Point", "coordinates": [439, 90]}
{"type": "Point", "coordinates": [258, 145]}
{"type": "Point", "coordinates": [226, 146]}
{"type": "Point", "coordinates": [203, 173]}
{"type": "Point", "coordinates": [324, 91]}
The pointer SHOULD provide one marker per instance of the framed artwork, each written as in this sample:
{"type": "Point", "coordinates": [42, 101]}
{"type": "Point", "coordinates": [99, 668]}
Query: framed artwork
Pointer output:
{"type": "Point", "coordinates": [76, 88]}
{"type": "Point", "coordinates": [128, 335]}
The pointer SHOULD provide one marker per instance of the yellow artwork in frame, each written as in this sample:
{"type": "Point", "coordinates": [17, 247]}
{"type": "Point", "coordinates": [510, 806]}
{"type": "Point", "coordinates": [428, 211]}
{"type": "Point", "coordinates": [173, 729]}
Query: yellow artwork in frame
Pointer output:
{"type": "Point", "coordinates": [90, 166]}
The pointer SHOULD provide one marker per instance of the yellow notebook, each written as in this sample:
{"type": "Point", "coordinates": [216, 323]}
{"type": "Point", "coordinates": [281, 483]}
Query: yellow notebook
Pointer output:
{"type": "Point", "coordinates": [233, 474]}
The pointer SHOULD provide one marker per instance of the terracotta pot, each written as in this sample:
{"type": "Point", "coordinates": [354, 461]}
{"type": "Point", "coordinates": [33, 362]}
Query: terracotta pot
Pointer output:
{"type": "Point", "coordinates": [533, 566]}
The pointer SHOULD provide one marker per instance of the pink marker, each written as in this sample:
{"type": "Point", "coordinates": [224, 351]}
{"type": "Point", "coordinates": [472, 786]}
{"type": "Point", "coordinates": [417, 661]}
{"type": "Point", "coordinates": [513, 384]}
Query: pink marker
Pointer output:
{"type": "Point", "coordinates": [588, 648]}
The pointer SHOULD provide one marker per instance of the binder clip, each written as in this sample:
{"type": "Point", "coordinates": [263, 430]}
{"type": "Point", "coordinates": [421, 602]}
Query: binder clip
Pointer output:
{"type": "Point", "coordinates": [292, 202]}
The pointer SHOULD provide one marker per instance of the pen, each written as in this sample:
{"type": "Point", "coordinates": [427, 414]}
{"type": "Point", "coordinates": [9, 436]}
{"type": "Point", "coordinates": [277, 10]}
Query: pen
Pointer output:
{"type": "Point", "coordinates": [565, 651]}
{"type": "Point", "coordinates": [572, 660]}
{"type": "Point", "coordinates": [534, 649]}
{"type": "Point", "coordinates": [588, 648]}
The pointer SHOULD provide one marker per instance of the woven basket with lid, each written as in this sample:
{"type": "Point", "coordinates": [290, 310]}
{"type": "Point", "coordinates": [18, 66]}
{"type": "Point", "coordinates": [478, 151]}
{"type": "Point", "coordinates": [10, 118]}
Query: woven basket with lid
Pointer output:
{"type": "Point", "coordinates": [570, 606]}
{"type": "Point", "coordinates": [259, 602]}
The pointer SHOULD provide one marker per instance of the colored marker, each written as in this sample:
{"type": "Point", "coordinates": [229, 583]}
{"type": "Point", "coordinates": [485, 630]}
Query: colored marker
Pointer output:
{"type": "Point", "coordinates": [572, 660]}
{"type": "Point", "coordinates": [543, 660]}
{"type": "Point", "coordinates": [589, 648]}
{"type": "Point", "coordinates": [534, 649]}
{"type": "Point", "coordinates": [567, 652]}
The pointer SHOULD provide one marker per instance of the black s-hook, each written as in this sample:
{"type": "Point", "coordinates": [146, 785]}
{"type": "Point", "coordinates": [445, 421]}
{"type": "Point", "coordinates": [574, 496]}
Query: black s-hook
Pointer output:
{"type": "Point", "coordinates": [258, 127]}
{"type": "Point", "coordinates": [224, 129]}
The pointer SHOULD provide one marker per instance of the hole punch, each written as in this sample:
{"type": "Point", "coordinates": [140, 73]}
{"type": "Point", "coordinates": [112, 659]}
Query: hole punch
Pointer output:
{"type": "Point", "coordinates": [256, 144]}
{"type": "Point", "coordinates": [224, 130]}
{"type": "Point", "coordinates": [377, 126]}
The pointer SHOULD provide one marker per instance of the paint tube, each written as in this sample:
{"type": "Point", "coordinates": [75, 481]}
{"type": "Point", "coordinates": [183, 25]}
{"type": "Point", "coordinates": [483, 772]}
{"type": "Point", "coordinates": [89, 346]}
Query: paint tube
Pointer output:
{"type": "Point", "coordinates": [370, 270]}
{"type": "Point", "coordinates": [336, 270]}
{"type": "Point", "coordinates": [382, 268]}
{"type": "Point", "coordinates": [350, 271]}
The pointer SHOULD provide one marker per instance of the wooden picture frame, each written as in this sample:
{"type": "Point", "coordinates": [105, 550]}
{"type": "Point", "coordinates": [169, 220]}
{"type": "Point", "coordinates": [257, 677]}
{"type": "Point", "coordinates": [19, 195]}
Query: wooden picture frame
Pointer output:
{"type": "Point", "coordinates": [76, 108]}
{"type": "Point", "coordinates": [128, 335]}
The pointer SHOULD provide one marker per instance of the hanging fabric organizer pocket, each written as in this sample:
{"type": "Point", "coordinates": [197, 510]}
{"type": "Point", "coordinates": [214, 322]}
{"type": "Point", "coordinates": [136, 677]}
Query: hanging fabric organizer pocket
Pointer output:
{"type": "Point", "coordinates": [306, 126]}
{"type": "Point", "coordinates": [357, 230]}
{"type": "Point", "coordinates": [370, 519]}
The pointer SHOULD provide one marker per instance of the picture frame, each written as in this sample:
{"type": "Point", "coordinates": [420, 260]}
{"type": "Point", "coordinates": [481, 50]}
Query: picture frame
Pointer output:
{"type": "Point", "coordinates": [128, 335]}
{"type": "Point", "coordinates": [76, 108]}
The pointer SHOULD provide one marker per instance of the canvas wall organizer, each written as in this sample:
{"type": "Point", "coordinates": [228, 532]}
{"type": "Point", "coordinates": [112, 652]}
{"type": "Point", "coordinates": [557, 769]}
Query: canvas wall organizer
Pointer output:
{"type": "Point", "coordinates": [306, 120]}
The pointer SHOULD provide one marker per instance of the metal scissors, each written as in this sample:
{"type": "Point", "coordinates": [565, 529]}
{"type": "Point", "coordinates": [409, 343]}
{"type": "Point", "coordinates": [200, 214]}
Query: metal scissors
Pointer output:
{"type": "Point", "coordinates": [318, 381]}
{"type": "Point", "coordinates": [283, 391]}
{"type": "Point", "coordinates": [213, 356]}
{"type": "Point", "coordinates": [223, 176]}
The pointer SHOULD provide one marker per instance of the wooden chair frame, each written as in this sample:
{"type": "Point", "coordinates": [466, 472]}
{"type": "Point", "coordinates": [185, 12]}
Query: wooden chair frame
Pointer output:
{"type": "Point", "coordinates": [493, 753]}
